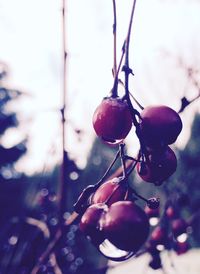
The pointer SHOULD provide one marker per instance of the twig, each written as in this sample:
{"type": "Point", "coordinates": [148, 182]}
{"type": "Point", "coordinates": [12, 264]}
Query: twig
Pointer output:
{"type": "Point", "coordinates": [123, 160]}
{"type": "Point", "coordinates": [114, 39]}
{"type": "Point", "coordinates": [62, 184]}
{"type": "Point", "coordinates": [108, 170]}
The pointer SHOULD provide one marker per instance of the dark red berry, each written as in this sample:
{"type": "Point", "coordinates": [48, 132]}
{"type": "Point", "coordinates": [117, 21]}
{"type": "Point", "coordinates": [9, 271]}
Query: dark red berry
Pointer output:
{"type": "Point", "coordinates": [89, 223]}
{"type": "Point", "coordinates": [125, 225]}
{"type": "Point", "coordinates": [159, 236]}
{"type": "Point", "coordinates": [170, 212]}
{"type": "Point", "coordinates": [179, 227]}
{"type": "Point", "coordinates": [153, 203]}
{"type": "Point", "coordinates": [181, 248]}
{"type": "Point", "coordinates": [151, 212]}
{"type": "Point", "coordinates": [160, 165]}
{"type": "Point", "coordinates": [112, 120]}
{"type": "Point", "coordinates": [110, 192]}
{"type": "Point", "coordinates": [160, 125]}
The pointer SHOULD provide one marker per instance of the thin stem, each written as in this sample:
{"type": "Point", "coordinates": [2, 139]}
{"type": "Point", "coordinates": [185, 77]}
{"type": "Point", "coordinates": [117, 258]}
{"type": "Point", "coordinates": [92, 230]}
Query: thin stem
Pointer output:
{"type": "Point", "coordinates": [82, 202]}
{"type": "Point", "coordinates": [136, 101]}
{"type": "Point", "coordinates": [128, 71]}
{"type": "Point", "coordinates": [139, 196]}
{"type": "Point", "coordinates": [116, 80]}
{"type": "Point", "coordinates": [134, 165]}
{"type": "Point", "coordinates": [123, 160]}
{"type": "Point", "coordinates": [62, 185]}
{"type": "Point", "coordinates": [108, 169]}
{"type": "Point", "coordinates": [129, 34]}
{"type": "Point", "coordinates": [114, 39]}
{"type": "Point", "coordinates": [186, 102]}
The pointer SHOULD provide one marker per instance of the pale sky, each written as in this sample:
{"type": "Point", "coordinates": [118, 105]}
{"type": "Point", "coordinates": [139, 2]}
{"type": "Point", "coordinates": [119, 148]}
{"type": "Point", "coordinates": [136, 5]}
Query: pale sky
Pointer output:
{"type": "Point", "coordinates": [31, 44]}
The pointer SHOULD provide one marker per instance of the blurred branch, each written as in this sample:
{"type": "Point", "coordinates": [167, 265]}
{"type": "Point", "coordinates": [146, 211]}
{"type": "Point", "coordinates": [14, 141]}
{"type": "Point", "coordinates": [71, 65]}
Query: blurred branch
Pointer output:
{"type": "Point", "coordinates": [62, 185]}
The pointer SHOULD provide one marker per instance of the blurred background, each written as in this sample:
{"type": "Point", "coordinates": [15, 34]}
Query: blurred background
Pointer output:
{"type": "Point", "coordinates": [164, 57]}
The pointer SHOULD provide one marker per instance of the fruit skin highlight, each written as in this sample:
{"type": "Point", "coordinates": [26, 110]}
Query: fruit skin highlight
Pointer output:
{"type": "Point", "coordinates": [125, 225]}
{"type": "Point", "coordinates": [112, 120]}
{"type": "Point", "coordinates": [161, 164]}
{"type": "Point", "coordinates": [160, 125]}
{"type": "Point", "coordinates": [89, 223]}
{"type": "Point", "coordinates": [110, 192]}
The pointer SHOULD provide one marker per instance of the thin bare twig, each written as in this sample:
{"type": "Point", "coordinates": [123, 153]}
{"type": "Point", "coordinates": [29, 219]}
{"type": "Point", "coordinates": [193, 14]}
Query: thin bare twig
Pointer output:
{"type": "Point", "coordinates": [114, 39]}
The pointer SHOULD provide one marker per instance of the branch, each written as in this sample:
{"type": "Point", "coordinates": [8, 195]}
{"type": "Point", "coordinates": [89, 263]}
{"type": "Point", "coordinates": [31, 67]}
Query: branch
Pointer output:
{"type": "Point", "coordinates": [62, 185]}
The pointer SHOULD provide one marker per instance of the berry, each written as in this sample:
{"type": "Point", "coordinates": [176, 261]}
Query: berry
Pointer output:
{"type": "Point", "coordinates": [160, 165]}
{"type": "Point", "coordinates": [179, 227]}
{"type": "Point", "coordinates": [158, 236]}
{"type": "Point", "coordinates": [153, 203]}
{"type": "Point", "coordinates": [110, 192]}
{"type": "Point", "coordinates": [125, 225]}
{"type": "Point", "coordinates": [112, 120]}
{"type": "Point", "coordinates": [89, 223]}
{"type": "Point", "coordinates": [181, 248]}
{"type": "Point", "coordinates": [151, 212]}
{"type": "Point", "coordinates": [170, 212]}
{"type": "Point", "coordinates": [160, 125]}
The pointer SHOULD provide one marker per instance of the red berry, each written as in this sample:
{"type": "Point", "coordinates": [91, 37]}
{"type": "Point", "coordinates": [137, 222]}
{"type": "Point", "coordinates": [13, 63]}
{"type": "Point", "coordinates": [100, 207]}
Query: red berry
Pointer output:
{"type": "Point", "coordinates": [89, 223]}
{"type": "Point", "coordinates": [125, 225]}
{"type": "Point", "coordinates": [160, 125]}
{"type": "Point", "coordinates": [170, 212]}
{"type": "Point", "coordinates": [179, 227]}
{"type": "Point", "coordinates": [160, 165]}
{"type": "Point", "coordinates": [151, 212]}
{"type": "Point", "coordinates": [153, 203]}
{"type": "Point", "coordinates": [110, 192]}
{"type": "Point", "coordinates": [158, 236]}
{"type": "Point", "coordinates": [112, 120]}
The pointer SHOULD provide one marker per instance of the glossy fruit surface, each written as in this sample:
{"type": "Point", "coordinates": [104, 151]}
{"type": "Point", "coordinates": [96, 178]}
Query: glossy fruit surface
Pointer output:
{"type": "Point", "coordinates": [89, 223]}
{"type": "Point", "coordinates": [125, 225]}
{"type": "Point", "coordinates": [160, 125]}
{"type": "Point", "coordinates": [159, 166]}
{"type": "Point", "coordinates": [112, 120]}
{"type": "Point", "coordinates": [110, 192]}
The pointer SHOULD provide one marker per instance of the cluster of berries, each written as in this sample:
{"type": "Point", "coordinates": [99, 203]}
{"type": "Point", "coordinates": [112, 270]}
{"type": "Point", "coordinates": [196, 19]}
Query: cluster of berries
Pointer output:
{"type": "Point", "coordinates": [114, 220]}
{"type": "Point", "coordinates": [169, 234]}
{"type": "Point", "coordinates": [111, 218]}
{"type": "Point", "coordinates": [158, 127]}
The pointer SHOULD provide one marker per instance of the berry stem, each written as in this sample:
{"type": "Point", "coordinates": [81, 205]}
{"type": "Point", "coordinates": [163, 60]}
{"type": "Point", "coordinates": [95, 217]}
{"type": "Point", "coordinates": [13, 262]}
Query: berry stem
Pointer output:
{"type": "Point", "coordinates": [108, 170]}
{"type": "Point", "coordinates": [114, 90]}
{"type": "Point", "coordinates": [123, 160]}
{"type": "Point", "coordinates": [138, 195]}
{"type": "Point", "coordinates": [114, 39]}
{"type": "Point", "coordinates": [116, 80]}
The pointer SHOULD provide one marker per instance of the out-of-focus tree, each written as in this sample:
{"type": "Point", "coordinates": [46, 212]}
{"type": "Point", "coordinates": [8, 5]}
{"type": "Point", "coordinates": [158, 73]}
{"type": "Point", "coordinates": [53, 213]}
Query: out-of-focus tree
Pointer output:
{"type": "Point", "coordinates": [189, 174]}
{"type": "Point", "coordinates": [10, 179]}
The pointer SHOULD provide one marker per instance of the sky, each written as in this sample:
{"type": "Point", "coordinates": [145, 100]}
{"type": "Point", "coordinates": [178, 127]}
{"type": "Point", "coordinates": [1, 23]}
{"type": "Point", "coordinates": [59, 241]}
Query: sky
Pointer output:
{"type": "Point", "coordinates": [164, 43]}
